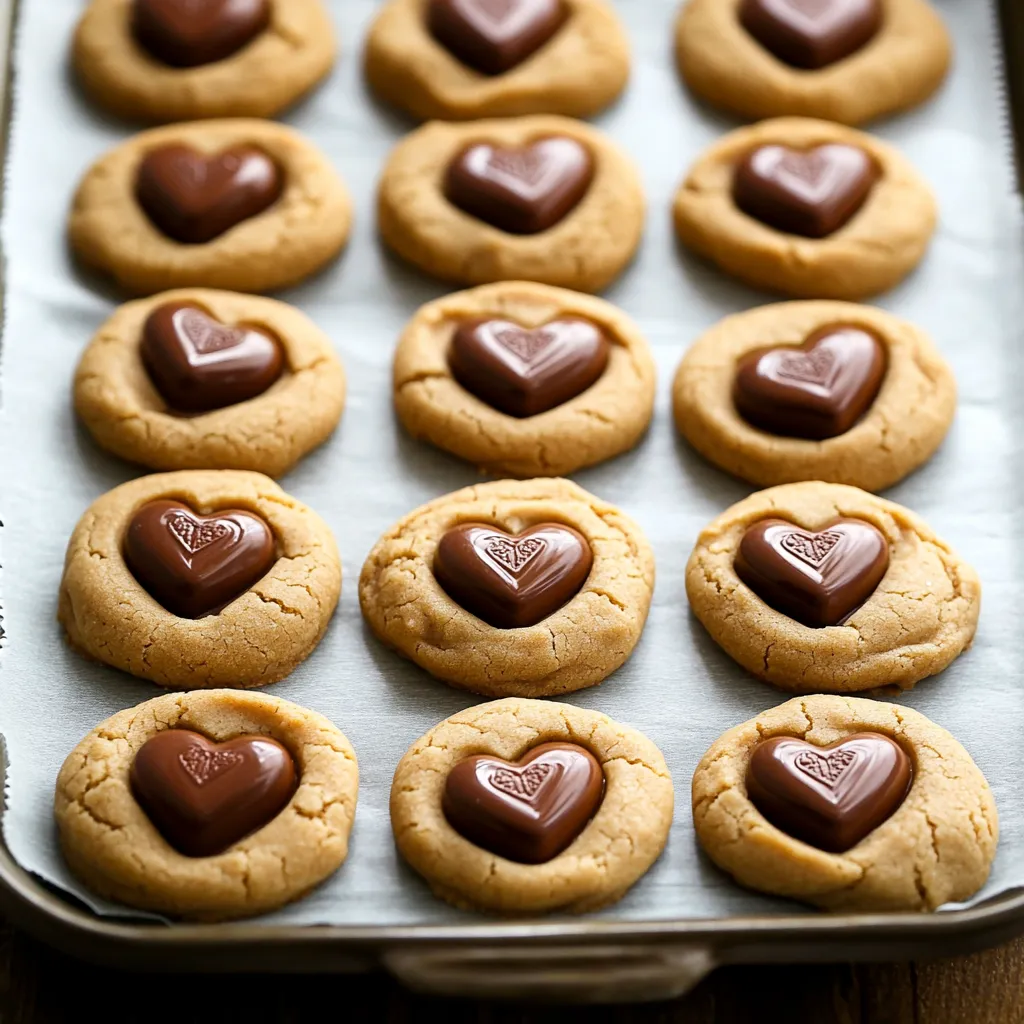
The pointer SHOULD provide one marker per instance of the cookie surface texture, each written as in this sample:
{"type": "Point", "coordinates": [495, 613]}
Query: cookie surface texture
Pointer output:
{"type": "Point", "coordinates": [871, 253]}
{"type": "Point", "coordinates": [921, 617]}
{"type": "Point", "coordinates": [620, 843]}
{"type": "Point", "coordinates": [585, 250]}
{"type": "Point", "coordinates": [901, 429]}
{"type": "Point", "coordinates": [259, 638]}
{"type": "Point", "coordinates": [126, 414]}
{"type": "Point", "coordinates": [725, 65]}
{"type": "Point", "coordinates": [270, 72]}
{"type": "Point", "coordinates": [113, 847]}
{"type": "Point", "coordinates": [577, 72]}
{"type": "Point", "coordinates": [578, 646]}
{"type": "Point", "coordinates": [287, 242]}
{"type": "Point", "coordinates": [937, 847]}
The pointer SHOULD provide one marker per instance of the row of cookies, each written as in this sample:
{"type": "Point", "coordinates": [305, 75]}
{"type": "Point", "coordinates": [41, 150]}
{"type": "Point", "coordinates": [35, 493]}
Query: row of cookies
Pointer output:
{"type": "Point", "coordinates": [466, 59]}
{"type": "Point", "coordinates": [222, 804]}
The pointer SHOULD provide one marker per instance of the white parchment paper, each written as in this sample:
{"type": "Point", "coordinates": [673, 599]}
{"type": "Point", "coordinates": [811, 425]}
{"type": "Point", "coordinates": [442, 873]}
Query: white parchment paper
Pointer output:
{"type": "Point", "coordinates": [678, 688]}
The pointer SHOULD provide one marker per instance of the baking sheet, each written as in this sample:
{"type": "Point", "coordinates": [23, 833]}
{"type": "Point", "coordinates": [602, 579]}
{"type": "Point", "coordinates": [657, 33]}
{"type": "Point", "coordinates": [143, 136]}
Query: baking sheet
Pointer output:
{"type": "Point", "coordinates": [679, 688]}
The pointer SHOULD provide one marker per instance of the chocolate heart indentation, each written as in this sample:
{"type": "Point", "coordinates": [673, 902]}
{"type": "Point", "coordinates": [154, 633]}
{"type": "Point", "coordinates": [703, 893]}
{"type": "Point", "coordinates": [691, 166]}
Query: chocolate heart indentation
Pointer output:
{"type": "Point", "coordinates": [819, 578]}
{"type": "Point", "coordinates": [195, 565]}
{"type": "Point", "coordinates": [193, 198]}
{"type": "Point", "coordinates": [816, 391]}
{"type": "Point", "coordinates": [512, 581]}
{"type": "Point", "coordinates": [811, 34]}
{"type": "Point", "coordinates": [189, 33]}
{"type": "Point", "coordinates": [829, 797]}
{"type": "Point", "coordinates": [523, 372]}
{"type": "Point", "coordinates": [521, 191]}
{"type": "Point", "coordinates": [528, 811]}
{"type": "Point", "coordinates": [203, 796]}
{"type": "Point", "coordinates": [198, 364]}
{"type": "Point", "coordinates": [493, 36]}
{"type": "Point", "coordinates": [812, 192]}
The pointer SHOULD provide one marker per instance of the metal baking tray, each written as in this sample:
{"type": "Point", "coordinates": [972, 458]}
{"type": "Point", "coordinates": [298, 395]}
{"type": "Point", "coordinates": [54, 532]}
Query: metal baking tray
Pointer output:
{"type": "Point", "coordinates": [583, 960]}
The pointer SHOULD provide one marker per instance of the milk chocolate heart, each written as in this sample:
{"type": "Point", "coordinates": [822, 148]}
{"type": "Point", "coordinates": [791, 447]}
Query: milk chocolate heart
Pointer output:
{"type": "Point", "coordinates": [493, 36]}
{"type": "Point", "coordinates": [524, 372]}
{"type": "Point", "coordinates": [193, 198]}
{"type": "Point", "coordinates": [529, 811]}
{"type": "Point", "coordinates": [512, 581]}
{"type": "Point", "coordinates": [192, 564]}
{"type": "Point", "coordinates": [818, 578]}
{"type": "Point", "coordinates": [188, 33]}
{"type": "Point", "coordinates": [522, 191]}
{"type": "Point", "coordinates": [811, 34]}
{"type": "Point", "coordinates": [204, 796]}
{"type": "Point", "coordinates": [198, 363]}
{"type": "Point", "coordinates": [830, 797]}
{"type": "Point", "coordinates": [811, 192]}
{"type": "Point", "coordinates": [816, 391]}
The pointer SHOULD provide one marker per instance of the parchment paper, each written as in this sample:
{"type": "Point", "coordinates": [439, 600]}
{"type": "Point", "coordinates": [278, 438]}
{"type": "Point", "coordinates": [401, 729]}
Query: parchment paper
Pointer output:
{"type": "Point", "coordinates": [678, 688]}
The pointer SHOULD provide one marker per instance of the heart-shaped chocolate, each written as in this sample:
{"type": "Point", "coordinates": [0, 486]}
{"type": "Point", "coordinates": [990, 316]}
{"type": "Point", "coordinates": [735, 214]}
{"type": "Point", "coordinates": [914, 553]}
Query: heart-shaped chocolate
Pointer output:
{"type": "Point", "coordinates": [192, 564]}
{"type": "Point", "coordinates": [524, 372]}
{"type": "Point", "coordinates": [830, 797]}
{"type": "Point", "coordinates": [816, 391]}
{"type": "Point", "coordinates": [193, 198]}
{"type": "Point", "coordinates": [811, 34]}
{"type": "Point", "coordinates": [522, 191]}
{"type": "Point", "coordinates": [512, 581]}
{"type": "Point", "coordinates": [188, 33]}
{"type": "Point", "coordinates": [204, 796]}
{"type": "Point", "coordinates": [818, 578]}
{"type": "Point", "coordinates": [812, 192]}
{"type": "Point", "coordinates": [528, 811]}
{"type": "Point", "coordinates": [198, 363]}
{"type": "Point", "coordinates": [493, 36]}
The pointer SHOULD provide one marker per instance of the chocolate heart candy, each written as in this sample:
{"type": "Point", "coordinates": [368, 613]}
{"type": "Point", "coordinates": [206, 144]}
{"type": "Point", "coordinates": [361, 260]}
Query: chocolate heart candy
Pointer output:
{"type": "Point", "coordinates": [193, 198]}
{"type": "Point", "coordinates": [811, 192]}
{"type": "Point", "coordinates": [198, 363]}
{"type": "Point", "coordinates": [524, 372]}
{"type": "Point", "coordinates": [529, 811]}
{"type": "Point", "coordinates": [187, 33]}
{"type": "Point", "coordinates": [194, 565]}
{"type": "Point", "coordinates": [811, 33]}
{"type": "Point", "coordinates": [512, 581]}
{"type": "Point", "coordinates": [522, 191]}
{"type": "Point", "coordinates": [818, 390]}
{"type": "Point", "coordinates": [492, 36]}
{"type": "Point", "coordinates": [830, 797]}
{"type": "Point", "coordinates": [819, 579]}
{"type": "Point", "coordinates": [204, 796]}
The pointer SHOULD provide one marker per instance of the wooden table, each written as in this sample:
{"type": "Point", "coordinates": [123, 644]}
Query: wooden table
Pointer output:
{"type": "Point", "coordinates": [39, 986]}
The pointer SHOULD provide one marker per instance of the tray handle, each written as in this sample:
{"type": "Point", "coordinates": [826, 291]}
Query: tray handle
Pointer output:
{"type": "Point", "coordinates": [576, 974]}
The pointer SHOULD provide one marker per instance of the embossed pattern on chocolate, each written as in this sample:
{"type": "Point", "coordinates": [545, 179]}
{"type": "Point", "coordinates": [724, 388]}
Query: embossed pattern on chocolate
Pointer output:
{"type": "Point", "coordinates": [529, 811]}
{"type": "Point", "coordinates": [190, 33]}
{"type": "Point", "coordinates": [512, 581]}
{"type": "Point", "coordinates": [830, 797]}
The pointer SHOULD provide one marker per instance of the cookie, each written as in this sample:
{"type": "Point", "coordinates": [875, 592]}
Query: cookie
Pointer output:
{"type": "Point", "coordinates": [157, 386]}
{"type": "Point", "coordinates": [840, 60]}
{"type": "Point", "coordinates": [243, 205]}
{"type": "Point", "coordinates": [200, 579]}
{"type": "Point", "coordinates": [808, 208]}
{"type": "Point", "coordinates": [846, 803]}
{"type": "Point", "coordinates": [458, 60]}
{"type": "Point", "coordinates": [820, 587]}
{"type": "Point", "coordinates": [815, 391]}
{"type": "Point", "coordinates": [528, 806]}
{"type": "Point", "coordinates": [523, 379]}
{"type": "Point", "coordinates": [208, 806]}
{"type": "Point", "coordinates": [527, 588]}
{"type": "Point", "coordinates": [166, 60]}
{"type": "Point", "coordinates": [542, 199]}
